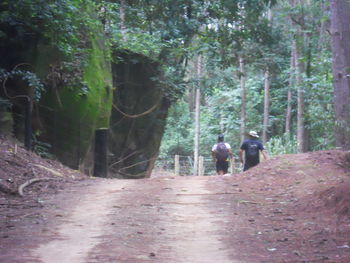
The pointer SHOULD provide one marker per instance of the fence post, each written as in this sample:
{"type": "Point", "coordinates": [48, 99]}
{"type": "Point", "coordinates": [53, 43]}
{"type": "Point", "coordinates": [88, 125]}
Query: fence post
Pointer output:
{"type": "Point", "coordinates": [79, 143]}
{"type": "Point", "coordinates": [177, 165]}
{"type": "Point", "coordinates": [100, 158]}
{"type": "Point", "coordinates": [28, 125]}
{"type": "Point", "coordinates": [233, 166]}
{"type": "Point", "coordinates": [201, 166]}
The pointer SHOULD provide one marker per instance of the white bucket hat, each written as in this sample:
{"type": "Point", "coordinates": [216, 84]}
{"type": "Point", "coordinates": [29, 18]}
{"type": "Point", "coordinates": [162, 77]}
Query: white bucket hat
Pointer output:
{"type": "Point", "coordinates": [254, 134]}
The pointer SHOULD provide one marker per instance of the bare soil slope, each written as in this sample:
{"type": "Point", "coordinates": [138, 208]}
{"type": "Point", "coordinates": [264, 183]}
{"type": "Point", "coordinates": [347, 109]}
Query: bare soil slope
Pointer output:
{"type": "Point", "coordinates": [291, 208]}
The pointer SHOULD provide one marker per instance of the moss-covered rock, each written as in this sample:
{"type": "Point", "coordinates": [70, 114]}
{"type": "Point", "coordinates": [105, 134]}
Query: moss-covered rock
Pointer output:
{"type": "Point", "coordinates": [71, 114]}
{"type": "Point", "coordinates": [64, 47]}
{"type": "Point", "coordinates": [138, 116]}
{"type": "Point", "coordinates": [74, 66]}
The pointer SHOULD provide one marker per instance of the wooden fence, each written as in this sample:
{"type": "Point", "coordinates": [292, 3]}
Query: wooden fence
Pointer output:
{"type": "Point", "coordinates": [184, 166]}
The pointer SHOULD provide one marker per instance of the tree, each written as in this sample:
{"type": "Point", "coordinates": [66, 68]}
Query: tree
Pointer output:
{"type": "Point", "coordinates": [290, 88]}
{"type": "Point", "coordinates": [266, 105]}
{"type": "Point", "coordinates": [243, 98]}
{"type": "Point", "coordinates": [298, 21]}
{"type": "Point", "coordinates": [197, 114]}
{"type": "Point", "coordinates": [340, 33]}
{"type": "Point", "coordinates": [267, 89]}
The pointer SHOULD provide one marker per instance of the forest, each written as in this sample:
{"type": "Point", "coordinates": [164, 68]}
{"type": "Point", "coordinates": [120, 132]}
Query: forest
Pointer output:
{"type": "Point", "coordinates": [94, 93]}
{"type": "Point", "coordinates": [165, 77]}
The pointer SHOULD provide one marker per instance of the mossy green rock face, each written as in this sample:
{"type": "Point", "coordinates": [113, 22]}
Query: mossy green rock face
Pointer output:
{"type": "Point", "coordinates": [138, 116]}
{"type": "Point", "coordinates": [71, 115]}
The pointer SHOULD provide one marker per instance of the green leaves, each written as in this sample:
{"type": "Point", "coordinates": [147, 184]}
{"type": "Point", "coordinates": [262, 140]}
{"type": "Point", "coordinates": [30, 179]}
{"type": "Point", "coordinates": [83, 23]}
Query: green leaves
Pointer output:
{"type": "Point", "coordinates": [30, 78]}
{"type": "Point", "coordinates": [60, 21]}
{"type": "Point", "coordinates": [63, 26]}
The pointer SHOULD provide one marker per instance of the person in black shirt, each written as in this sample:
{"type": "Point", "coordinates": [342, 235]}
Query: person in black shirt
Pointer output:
{"type": "Point", "coordinates": [251, 148]}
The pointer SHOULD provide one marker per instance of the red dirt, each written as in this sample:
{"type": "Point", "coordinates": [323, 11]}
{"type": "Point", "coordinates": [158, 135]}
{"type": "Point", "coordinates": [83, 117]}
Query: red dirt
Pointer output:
{"type": "Point", "coordinates": [291, 208]}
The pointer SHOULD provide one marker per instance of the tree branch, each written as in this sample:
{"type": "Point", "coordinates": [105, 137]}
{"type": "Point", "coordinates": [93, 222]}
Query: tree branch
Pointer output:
{"type": "Point", "coordinates": [30, 182]}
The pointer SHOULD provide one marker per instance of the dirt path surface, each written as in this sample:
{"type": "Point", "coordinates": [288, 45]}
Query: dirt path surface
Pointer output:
{"type": "Point", "coordinates": [293, 208]}
{"type": "Point", "coordinates": [85, 221]}
{"type": "Point", "coordinates": [160, 220]}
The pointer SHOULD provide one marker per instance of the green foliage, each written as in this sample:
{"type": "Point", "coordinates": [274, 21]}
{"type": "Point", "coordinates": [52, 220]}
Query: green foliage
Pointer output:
{"type": "Point", "coordinates": [221, 109]}
{"type": "Point", "coordinates": [42, 148]}
{"type": "Point", "coordinates": [140, 43]}
{"type": "Point", "coordinates": [231, 33]}
{"type": "Point", "coordinates": [172, 33]}
{"type": "Point", "coordinates": [30, 78]}
{"type": "Point", "coordinates": [319, 98]}
{"type": "Point", "coordinates": [285, 144]}
{"type": "Point", "coordinates": [33, 26]}
{"type": "Point", "coordinates": [161, 32]}
{"type": "Point", "coordinates": [178, 140]}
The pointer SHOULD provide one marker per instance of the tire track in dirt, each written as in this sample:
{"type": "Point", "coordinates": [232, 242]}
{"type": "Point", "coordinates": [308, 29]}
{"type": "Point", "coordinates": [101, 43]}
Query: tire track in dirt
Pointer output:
{"type": "Point", "coordinates": [195, 229]}
{"type": "Point", "coordinates": [159, 220]}
{"type": "Point", "coordinates": [162, 220]}
{"type": "Point", "coordinates": [81, 230]}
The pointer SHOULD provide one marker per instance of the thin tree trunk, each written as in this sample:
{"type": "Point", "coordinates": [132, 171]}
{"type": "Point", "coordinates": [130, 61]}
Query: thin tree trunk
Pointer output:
{"type": "Point", "coordinates": [289, 111]}
{"type": "Point", "coordinates": [197, 115]}
{"type": "Point", "coordinates": [269, 13]}
{"type": "Point", "coordinates": [191, 98]}
{"type": "Point", "coordinates": [28, 134]}
{"type": "Point", "coordinates": [290, 88]}
{"type": "Point", "coordinates": [300, 70]}
{"type": "Point", "coordinates": [308, 72]}
{"type": "Point", "coordinates": [222, 124]}
{"type": "Point", "coordinates": [243, 98]}
{"type": "Point", "coordinates": [122, 19]}
{"type": "Point", "coordinates": [300, 93]}
{"type": "Point", "coordinates": [340, 33]}
{"type": "Point", "coordinates": [323, 26]}
{"type": "Point", "coordinates": [267, 88]}
{"type": "Point", "coordinates": [266, 106]}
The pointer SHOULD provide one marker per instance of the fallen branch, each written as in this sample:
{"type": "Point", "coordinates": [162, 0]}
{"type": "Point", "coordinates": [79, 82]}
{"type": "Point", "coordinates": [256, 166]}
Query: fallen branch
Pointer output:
{"type": "Point", "coordinates": [53, 172]}
{"type": "Point", "coordinates": [30, 182]}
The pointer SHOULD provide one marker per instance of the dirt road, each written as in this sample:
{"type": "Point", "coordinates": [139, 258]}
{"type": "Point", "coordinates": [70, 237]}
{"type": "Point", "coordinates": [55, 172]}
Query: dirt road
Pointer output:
{"type": "Point", "coordinates": [159, 220]}
{"type": "Point", "coordinates": [292, 209]}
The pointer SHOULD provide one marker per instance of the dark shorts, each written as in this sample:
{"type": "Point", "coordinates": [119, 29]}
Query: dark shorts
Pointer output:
{"type": "Point", "coordinates": [222, 166]}
{"type": "Point", "coordinates": [249, 165]}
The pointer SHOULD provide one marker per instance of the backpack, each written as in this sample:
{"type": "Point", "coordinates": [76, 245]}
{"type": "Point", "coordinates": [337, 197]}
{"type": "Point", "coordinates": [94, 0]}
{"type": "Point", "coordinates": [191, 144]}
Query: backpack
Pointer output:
{"type": "Point", "coordinates": [221, 152]}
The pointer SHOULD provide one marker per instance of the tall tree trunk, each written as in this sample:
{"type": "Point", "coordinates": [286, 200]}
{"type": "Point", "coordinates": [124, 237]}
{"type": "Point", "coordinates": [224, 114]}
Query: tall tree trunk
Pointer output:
{"type": "Point", "coordinates": [122, 19]}
{"type": "Point", "coordinates": [269, 13]}
{"type": "Point", "coordinates": [323, 27]}
{"type": "Point", "coordinates": [340, 33]}
{"type": "Point", "coordinates": [197, 115]}
{"type": "Point", "coordinates": [298, 24]}
{"type": "Point", "coordinates": [308, 71]}
{"type": "Point", "coordinates": [300, 93]}
{"type": "Point", "coordinates": [267, 87]}
{"type": "Point", "coordinates": [222, 124]}
{"type": "Point", "coordinates": [266, 106]}
{"type": "Point", "coordinates": [243, 98]}
{"type": "Point", "coordinates": [290, 88]}
{"type": "Point", "coordinates": [191, 98]}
